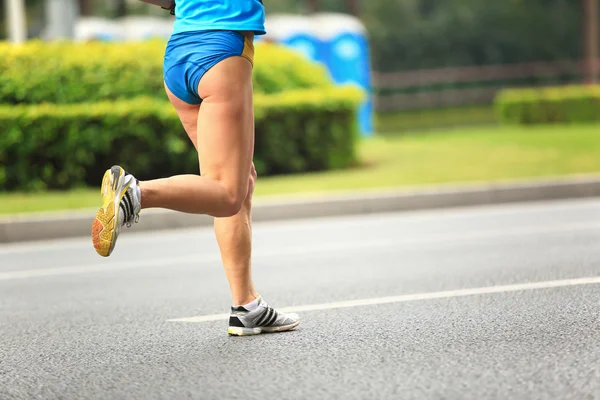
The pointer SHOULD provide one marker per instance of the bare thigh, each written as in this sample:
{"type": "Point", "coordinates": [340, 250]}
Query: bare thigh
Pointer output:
{"type": "Point", "coordinates": [188, 115]}
{"type": "Point", "coordinates": [226, 124]}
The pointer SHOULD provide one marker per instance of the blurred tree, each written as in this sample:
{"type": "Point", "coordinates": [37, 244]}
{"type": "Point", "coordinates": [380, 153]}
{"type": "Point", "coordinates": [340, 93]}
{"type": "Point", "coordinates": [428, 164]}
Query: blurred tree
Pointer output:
{"type": "Point", "coordinates": [411, 34]}
{"type": "Point", "coordinates": [285, 6]}
{"type": "Point", "coordinates": [3, 25]}
{"type": "Point", "coordinates": [352, 7]}
{"type": "Point", "coordinates": [590, 24]}
{"type": "Point", "coordinates": [85, 8]}
{"type": "Point", "coordinates": [121, 8]}
{"type": "Point", "coordinates": [313, 5]}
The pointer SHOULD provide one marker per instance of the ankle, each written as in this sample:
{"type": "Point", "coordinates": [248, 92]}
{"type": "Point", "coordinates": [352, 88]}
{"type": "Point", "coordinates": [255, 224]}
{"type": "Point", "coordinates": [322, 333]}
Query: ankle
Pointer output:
{"type": "Point", "coordinates": [144, 191]}
{"type": "Point", "coordinates": [244, 299]}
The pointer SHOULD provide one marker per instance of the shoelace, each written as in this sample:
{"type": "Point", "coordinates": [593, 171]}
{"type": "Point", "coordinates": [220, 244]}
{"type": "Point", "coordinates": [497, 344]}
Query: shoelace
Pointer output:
{"type": "Point", "coordinates": [128, 210]}
{"type": "Point", "coordinates": [136, 220]}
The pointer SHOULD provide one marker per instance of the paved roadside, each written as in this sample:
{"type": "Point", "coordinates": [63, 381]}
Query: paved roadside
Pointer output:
{"type": "Point", "coordinates": [497, 302]}
{"type": "Point", "coordinates": [78, 223]}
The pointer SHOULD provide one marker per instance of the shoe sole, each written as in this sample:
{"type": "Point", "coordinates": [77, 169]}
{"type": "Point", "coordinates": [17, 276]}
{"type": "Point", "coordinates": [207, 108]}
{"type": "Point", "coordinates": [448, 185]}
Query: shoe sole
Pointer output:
{"type": "Point", "coordinates": [237, 331]}
{"type": "Point", "coordinates": [104, 228]}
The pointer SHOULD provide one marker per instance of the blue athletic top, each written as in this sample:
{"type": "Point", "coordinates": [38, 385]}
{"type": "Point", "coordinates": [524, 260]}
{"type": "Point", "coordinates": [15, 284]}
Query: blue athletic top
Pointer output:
{"type": "Point", "coordinates": [202, 15]}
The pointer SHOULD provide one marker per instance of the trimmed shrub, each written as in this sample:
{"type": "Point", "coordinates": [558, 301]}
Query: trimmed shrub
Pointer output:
{"type": "Point", "coordinates": [54, 146]}
{"type": "Point", "coordinates": [53, 72]}
{"type": "Point", "coordinates": [567, 104]}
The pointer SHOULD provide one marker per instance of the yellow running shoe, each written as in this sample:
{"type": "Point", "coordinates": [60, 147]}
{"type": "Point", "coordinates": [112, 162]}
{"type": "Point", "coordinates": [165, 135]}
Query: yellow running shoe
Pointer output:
{"type": "Point", "coordinates": [121, 206]}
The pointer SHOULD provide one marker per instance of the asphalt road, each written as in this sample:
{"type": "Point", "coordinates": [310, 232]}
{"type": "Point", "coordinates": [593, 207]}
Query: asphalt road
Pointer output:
{"type": "Point", "coordinates": [476, 303]}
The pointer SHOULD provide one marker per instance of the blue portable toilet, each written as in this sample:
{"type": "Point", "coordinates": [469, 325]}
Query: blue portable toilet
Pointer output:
{"type": "Point", "coordinates": [295, 32]}
{"type": "Point", "coordinates": [345, 47]}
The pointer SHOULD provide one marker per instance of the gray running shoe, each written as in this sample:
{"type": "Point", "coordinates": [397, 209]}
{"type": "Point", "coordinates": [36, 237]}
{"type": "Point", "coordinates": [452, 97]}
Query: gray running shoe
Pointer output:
{"type": "Point", "coordinates": [264, 319]}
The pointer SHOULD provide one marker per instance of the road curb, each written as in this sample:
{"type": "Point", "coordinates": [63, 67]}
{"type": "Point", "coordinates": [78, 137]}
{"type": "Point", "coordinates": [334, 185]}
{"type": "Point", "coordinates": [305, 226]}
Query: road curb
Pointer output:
{"type": "Point", "coordinates": [78, 224]}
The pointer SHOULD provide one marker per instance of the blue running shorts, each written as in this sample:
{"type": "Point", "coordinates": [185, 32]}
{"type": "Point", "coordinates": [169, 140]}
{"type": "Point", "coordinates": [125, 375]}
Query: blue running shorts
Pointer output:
{"type": "Point", "coordinates": [190, 54]}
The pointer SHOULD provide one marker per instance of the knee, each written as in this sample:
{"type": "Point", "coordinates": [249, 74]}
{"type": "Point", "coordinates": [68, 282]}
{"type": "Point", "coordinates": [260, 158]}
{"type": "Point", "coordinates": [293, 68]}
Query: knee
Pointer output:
{"type": "Point", "coordinates": [237, 199]}
{"type": "Point", "coordinates": [234, 202]}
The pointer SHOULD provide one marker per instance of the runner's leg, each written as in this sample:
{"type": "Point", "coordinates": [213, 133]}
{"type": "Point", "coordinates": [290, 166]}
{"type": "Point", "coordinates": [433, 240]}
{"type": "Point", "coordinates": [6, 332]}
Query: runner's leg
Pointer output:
{"type": "Point", "coordinates": [225, 141]}
{"type": "Point", "coordinates": [234, 234]}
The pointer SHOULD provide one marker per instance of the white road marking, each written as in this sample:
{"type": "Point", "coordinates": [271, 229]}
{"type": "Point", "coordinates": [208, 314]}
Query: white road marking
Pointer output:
{"type": "Point", "coordinates": [78, 269]}
{"type": "Point", "coordinates": [416, 297]}
{"type": "Point", "coordinates": [474, 212]}
{"type": "Point", "coordinates": [305, 250]}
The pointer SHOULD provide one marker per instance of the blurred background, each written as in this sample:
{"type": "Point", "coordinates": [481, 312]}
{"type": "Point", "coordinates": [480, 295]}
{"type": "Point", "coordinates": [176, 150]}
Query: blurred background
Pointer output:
{"type": "Point", "coordinates": [444, 86]}
{"type": "Point", "coordinates": [350, 96]}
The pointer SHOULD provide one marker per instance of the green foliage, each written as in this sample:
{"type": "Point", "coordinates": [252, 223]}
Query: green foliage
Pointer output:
{"type": "Point", "coordinates": [418, 34]}
{"type": "Point", "coordinates": [65, 72]}
{"type": "Point", "coordinates": [413, 34]}
{"type": "Point", "coordinates": [412, 120]}
{"type": "Point", "coordinates": [306, 130]}
{"type": "Point", "coordinates": [566, 104]}
{"type": "Point", "coordinates": [88, 106]}
{"type": "Point", "coordinates": [54, 146]}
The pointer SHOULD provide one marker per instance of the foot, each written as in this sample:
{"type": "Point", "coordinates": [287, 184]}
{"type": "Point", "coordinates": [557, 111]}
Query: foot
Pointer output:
{"type": "Point", "coordinates": [263, 319]}
{"type": "Point", "coordinates": [121, 206]}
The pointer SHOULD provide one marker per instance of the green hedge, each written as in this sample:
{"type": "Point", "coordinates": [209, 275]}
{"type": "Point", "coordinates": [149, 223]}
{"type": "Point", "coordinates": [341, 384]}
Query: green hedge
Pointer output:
{"type": "Point", "coordinates": [53, 72]}
{"type": "Point", "coordinates": [566, 104]}
{"type": "Point", "coordinates": [52, 146]}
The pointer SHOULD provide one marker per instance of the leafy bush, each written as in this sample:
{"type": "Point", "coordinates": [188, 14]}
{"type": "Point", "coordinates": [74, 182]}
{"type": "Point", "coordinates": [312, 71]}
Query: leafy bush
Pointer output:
{"type": "Point", "coordinates": [126, 70]}
{"type": "Point", "coordinates": [567, 104]}
{"type": "Point", "coordinates": [54, 146]}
